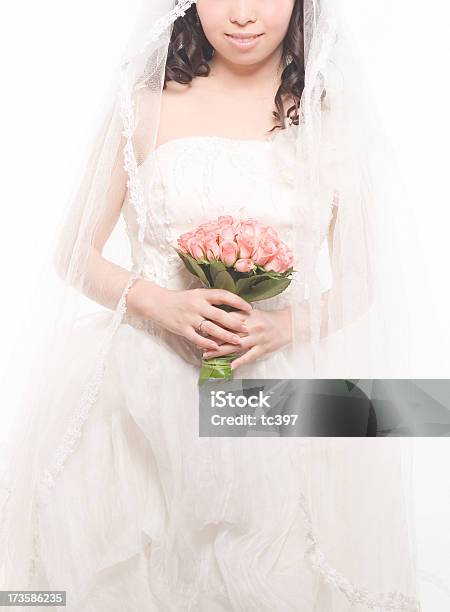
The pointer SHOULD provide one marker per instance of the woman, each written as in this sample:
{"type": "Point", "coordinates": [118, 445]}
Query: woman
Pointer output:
{"type": "Point", "coordinates": [118, 499]}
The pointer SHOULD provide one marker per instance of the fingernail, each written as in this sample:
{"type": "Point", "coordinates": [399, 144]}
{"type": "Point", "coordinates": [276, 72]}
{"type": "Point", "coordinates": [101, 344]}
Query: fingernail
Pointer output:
{"type": "Point", "coordinates": [236, 339]}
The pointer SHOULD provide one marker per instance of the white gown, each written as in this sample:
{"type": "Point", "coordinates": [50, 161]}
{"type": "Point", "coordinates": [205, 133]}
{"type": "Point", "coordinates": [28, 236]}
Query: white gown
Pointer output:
{"type": "Point", "coordinates": [142, 514]}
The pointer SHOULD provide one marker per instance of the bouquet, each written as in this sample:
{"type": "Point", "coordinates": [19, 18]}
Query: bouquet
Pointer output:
{"type": "Point", "coordinates": [243, 256]}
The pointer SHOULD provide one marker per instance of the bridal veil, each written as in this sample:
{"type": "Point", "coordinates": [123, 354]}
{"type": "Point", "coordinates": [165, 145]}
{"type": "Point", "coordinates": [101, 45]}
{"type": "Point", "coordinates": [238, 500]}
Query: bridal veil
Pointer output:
{"type": "Point", "coordinates": [355, 494]}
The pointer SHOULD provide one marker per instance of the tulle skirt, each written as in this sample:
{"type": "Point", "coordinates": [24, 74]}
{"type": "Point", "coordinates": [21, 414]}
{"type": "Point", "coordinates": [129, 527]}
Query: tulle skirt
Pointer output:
{"type": "Point", "coordinates": [135, 511]}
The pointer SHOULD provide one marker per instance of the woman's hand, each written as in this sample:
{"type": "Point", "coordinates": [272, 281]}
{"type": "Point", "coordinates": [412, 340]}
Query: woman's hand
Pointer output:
{"type": "Point", "coordinates": [181, 312]}
{"type": "Point", "coordinates": [268, 331]}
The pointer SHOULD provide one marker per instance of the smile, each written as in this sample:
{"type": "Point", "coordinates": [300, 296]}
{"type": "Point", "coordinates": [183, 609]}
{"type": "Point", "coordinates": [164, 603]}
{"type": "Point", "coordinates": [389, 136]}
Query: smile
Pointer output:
{"type": "Point", "coordinates": [244, 41]}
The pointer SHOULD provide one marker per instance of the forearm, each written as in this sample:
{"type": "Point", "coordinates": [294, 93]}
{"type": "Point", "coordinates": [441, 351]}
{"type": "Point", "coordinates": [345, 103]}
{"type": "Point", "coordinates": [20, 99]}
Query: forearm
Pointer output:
{"type": "Point", "coordinates": [103, 281]}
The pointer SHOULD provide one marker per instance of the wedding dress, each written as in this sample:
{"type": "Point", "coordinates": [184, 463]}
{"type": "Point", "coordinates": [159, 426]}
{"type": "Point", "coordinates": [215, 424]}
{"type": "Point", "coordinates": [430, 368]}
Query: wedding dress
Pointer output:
{"type": "Point", "coordinates": [143, 514]}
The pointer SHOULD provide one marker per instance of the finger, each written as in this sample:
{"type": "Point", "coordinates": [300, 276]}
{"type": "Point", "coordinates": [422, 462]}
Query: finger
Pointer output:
{"type": "Point", "coordinates": [200, 341]}
{"type": "Point", "coordinates": [218, 341]}
{"type": "Point", "coordinates": [222, 296]}
{"type": "Point", "coordinates": [219, 332]}
{"type": "Point", "coordinates": [248, 357]}
{"type": "Point", "coordinates": [242, 316]}
{"type": "Point", "coordinates": [226, 348]}
{"type": "Point", "coordinates": [226, 319]}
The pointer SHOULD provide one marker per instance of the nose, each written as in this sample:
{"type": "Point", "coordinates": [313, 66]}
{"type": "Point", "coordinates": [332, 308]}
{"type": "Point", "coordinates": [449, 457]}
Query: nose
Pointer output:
{"type": "Point", "coordinates": [243, 12]}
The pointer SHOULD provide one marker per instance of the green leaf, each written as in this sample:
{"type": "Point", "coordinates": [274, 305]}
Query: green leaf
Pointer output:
{"type": "Point", "coordinates": [245, 283]}
{"type": "Point", "coordinates": [224, 280]}
{"type": "Point", "coordinates": [185, 260]}
{"type": "Point", "coordinates": [266, 289]}
{"type": "Point", "coordinates": [194, 268]}
{"type": "Point", "coordinates": [215, 267]}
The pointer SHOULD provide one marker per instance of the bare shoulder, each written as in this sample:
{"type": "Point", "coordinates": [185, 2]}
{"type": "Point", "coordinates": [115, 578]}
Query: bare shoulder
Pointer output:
{"type": "Point", "coordinates": [178, 110]}
{"type": "Point", "coordinates": [178, 99]}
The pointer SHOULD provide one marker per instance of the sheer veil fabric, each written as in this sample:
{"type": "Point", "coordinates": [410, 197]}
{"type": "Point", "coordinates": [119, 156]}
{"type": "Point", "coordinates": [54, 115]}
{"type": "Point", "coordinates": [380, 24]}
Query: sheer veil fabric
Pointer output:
{"type": "Point", "coordinates": [355, 494]}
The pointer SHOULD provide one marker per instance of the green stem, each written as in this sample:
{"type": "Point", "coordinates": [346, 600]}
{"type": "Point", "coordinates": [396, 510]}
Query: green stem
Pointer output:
{"type": "Point", "coordinates": [216, 368]}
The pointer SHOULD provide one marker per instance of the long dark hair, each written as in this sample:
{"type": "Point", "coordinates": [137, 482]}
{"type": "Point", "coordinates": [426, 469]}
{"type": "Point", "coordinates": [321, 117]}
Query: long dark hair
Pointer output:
{"type": "Point", "coordinates": [190, 51]}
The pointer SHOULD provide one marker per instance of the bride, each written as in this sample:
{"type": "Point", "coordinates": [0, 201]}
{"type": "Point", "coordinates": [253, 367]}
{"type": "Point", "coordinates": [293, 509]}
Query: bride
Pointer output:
{"type": "Point", "coordinates": [224, 110]}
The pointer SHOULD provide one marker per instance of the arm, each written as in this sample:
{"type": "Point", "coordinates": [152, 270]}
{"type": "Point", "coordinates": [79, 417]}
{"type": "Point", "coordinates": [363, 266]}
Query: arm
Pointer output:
{"type": "Point", "coordinates": [100, 279]}
{"type": "Point", "coordinates": [103, 281]}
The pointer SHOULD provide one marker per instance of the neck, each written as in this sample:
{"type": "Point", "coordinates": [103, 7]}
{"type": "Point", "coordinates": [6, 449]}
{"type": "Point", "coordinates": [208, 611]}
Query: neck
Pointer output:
{"type": "Point", "coordinates": [262, 78]}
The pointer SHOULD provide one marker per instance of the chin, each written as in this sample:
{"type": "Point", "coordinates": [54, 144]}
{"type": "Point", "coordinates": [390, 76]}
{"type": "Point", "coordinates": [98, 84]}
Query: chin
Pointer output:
{"type": "Point", "coordinates": [242, 58]}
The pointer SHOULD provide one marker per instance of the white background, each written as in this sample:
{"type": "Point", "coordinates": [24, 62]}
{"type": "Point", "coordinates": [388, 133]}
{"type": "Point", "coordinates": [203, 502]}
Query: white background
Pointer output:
{"type": "Point", "coordinates": [56, 62]}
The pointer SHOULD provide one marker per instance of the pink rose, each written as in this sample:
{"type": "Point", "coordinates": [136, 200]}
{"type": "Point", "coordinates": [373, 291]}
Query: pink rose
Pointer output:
{"type": "Point", "coordinates": [263, 231]}
{"type": "Point", "coordinates": [225, 220]}
{"type": "Point", "coordinates": [288, 261]}
{"type": "Point", "coordinates": [282, 261]}
{"type": "Point", "coordinates": [246, 229]}
{"type": "Point", "coordinates": [286, 255]}
{"type": "Point", "coordinates": [244, 265]}
{"type": "Point", "coordinates": [270, 232]}
{"type": "Point", "coordinates": [183, 241]}
{"type": "Point", "coordinates": [228, 252]}
{"type": "Point", "coordinates": [246, 247]}
{"type": "Point", "coordinates": [275, 264]}
{"type": "Point", "coordinates": [200, 233]}
{"type": "Point", "coordinates": [212, 246]}
{"type": "Point", "coordinates": [243, 243]}
{"type": "Point", "coordinates": [267, 249]}
{"type": "Point", "coordinates": [211, 236]}
{"type": "Point", "coordinates": [196, 247]}
{"type": "Point", "coordinates": [252, 229]}
{"type": "Point", "coordinates": [227, 232]}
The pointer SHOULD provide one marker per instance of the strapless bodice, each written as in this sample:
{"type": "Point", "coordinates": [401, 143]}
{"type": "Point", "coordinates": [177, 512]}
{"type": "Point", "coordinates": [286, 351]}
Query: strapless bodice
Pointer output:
{"type": "Point", "coordinates": [199, 178]}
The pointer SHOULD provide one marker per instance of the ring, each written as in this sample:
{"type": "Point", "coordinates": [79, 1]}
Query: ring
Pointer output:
{"type": "Point", "coordinates": [199, 327]}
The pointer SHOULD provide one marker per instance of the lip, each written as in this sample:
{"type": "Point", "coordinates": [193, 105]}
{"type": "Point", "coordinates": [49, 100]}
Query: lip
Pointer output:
{"type": "Point", "coordinates": [244, 41]}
